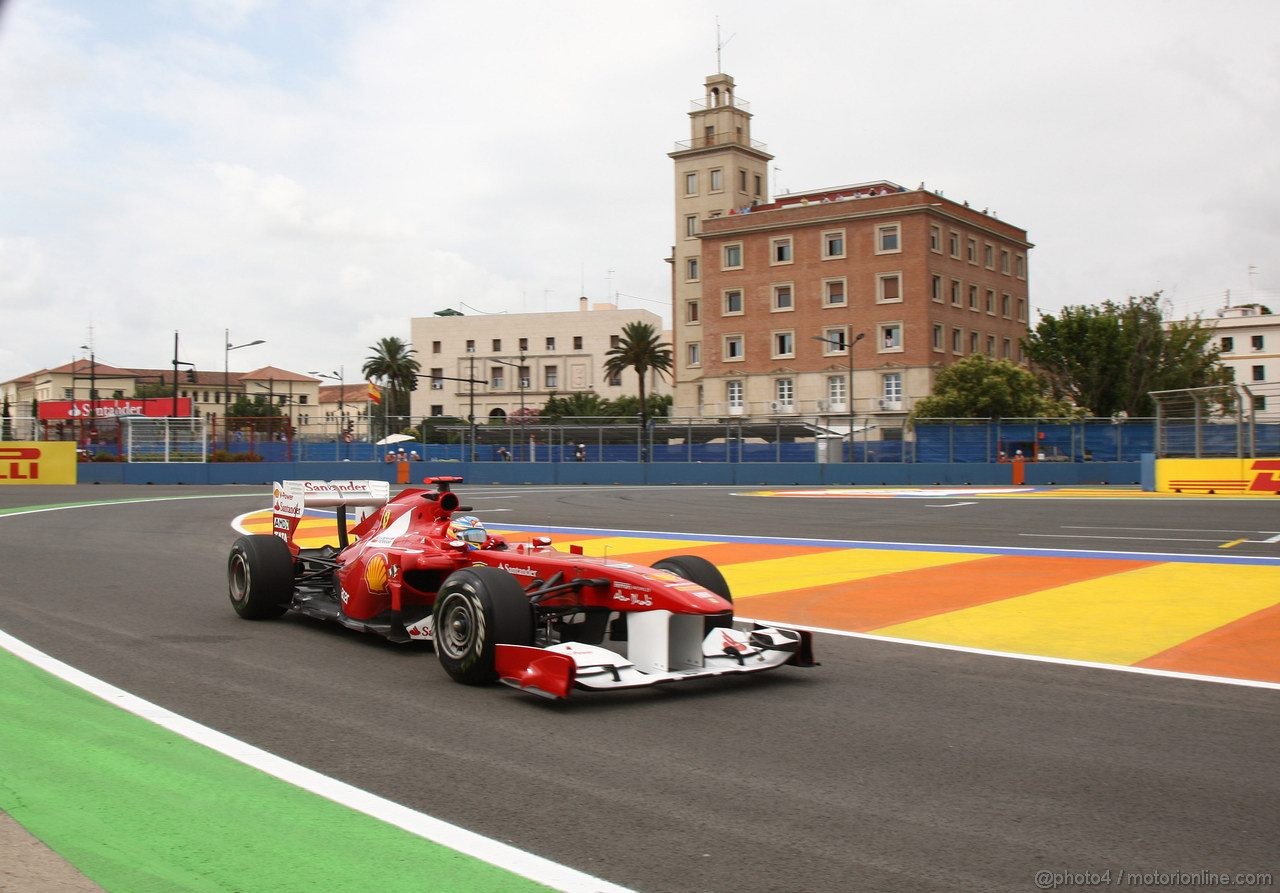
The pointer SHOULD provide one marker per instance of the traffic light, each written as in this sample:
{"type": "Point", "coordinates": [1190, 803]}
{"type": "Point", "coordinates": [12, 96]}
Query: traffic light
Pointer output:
{"type": "Point", "coordinates": [191, 376]}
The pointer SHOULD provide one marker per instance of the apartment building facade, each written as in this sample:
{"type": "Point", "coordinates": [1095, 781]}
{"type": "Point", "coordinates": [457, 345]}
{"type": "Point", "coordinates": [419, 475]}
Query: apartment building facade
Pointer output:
{"type": "Point", "coordinates": [493, 366]}
{"type": "Point", "coordinates": [830, 303]}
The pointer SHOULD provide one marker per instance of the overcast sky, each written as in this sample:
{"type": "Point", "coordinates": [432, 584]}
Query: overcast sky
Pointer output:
{"type": "Point", "coordinates": [316, 172]}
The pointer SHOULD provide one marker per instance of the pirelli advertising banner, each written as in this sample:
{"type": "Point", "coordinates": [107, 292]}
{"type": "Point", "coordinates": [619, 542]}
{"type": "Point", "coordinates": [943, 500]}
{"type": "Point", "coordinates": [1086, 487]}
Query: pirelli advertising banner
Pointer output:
{"type": "Point", "coordinates": [1219, 477]}
{"type": "Point", "coordinates": [37, 463]}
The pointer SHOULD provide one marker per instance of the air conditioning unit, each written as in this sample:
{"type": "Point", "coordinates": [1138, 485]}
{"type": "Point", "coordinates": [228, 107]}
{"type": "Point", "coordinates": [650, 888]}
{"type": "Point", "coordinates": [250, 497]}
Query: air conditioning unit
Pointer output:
{"type": "Point", "coordinates": [437, 385]}
{"type": "Point", "coordinates": [823, 405]}
{"type": "Point", "coordinates": [775, 406]}
{"type": "Point", "coordinates": [524, 382]}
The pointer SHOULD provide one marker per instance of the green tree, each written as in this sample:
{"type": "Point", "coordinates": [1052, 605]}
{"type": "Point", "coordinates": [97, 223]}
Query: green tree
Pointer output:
{"type": "Point", "coordinates": [978, 387]}
{"type": "Point", "coordinates": [579, 404]}
{"type": "Point", "coordinates": [656, 406]}
{"type": "Point", "coordinates": [1109, 357]}
{"type": "Point", "coordinates": [641, 349]}
{"type": "Point", "coordinates": [392, 364]}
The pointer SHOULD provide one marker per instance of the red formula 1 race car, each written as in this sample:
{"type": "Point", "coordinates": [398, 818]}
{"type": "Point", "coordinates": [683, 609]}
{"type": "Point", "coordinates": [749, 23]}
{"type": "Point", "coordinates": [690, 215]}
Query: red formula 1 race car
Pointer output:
{"type": "Point", "coordinates": [525, 613]}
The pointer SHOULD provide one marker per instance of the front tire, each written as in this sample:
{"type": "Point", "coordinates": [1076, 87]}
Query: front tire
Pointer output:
{"type": "Point", "coordinates": [260, 577]}
{"type": "Point", "coordinates": [477, 609]}
{"type": "Point", "coordinates": [705, 574]}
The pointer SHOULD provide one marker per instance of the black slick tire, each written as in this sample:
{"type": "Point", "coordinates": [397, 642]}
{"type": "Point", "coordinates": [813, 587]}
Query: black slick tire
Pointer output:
{"type": "Point", "coordinates": [477, 609]}
{"type": "Point", "coordinates": [705, 574]}
{"type": "Point", "coordinates": [260, 577]}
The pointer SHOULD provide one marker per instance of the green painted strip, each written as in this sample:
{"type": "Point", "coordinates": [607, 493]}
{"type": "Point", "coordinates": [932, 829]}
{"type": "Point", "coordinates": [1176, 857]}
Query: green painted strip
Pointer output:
{"type": "Point", "coordinates": [137, 808]}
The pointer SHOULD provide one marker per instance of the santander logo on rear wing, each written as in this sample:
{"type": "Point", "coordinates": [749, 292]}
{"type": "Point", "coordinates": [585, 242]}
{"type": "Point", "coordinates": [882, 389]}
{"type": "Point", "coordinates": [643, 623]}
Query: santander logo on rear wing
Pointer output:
{"type": "Point", "coordinates": [290, 498]}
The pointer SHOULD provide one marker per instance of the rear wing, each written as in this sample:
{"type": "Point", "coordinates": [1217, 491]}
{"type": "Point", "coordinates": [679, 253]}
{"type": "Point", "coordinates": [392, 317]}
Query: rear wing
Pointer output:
{"type": "Point", "coordinates": [290, 498]}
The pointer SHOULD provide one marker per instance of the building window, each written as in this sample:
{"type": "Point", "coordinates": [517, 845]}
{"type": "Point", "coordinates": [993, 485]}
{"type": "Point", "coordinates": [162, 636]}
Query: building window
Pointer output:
{"type": "Point", "coordinates": [615, 380]}
{"type": "Point", "coordinates": [695, 353]}
{"type": "Point", "coordinates": [891, 390]}
{"type": "Point", "coordinates": [1258, 342]}
{"type": "Point", "coordinates": [1004, 262]}
{"type": "Point", "coordinates": [435, 347]}
{"type": "Point", "coordinates": [577, 342]}
{"type": "Point", "coordinates": [733, 256]}
{"type": "Point", "coordinates": [989, 256]}
{"type": "Point", "coordinates": [957, 341]}
{"type": "Point", "coordinates": [691, 269]}
{"type": "Point", "coordinates": [833, 244]}
{"type": "Point", "coordinates": [732, 302]}
{"type": "Point", "coordinates": [889, 288]}
{"type": "Point", "coordinates": [690, 225]}
{"type": "Point", "coordinates": [836, 393]}
{"type": "Point", "coordinates": [437, 379]}
{"type": "Point", "coordinates": [833, 293]}
{"type": "Point", "coordinates": [1259, 402]}
{"type": "Point", "coordinates": [973, 251]}
{"type": "Point", "coordinates": [835, 341]}
{"type": "Point", "coordinates": [1228, 344]}
{"type": "Point", "coordinates": [1259, 373]}
{"type": "Point", "coordinates": [953, 244]}
{"type": "Point", "coordinates": [957, 292]}
{"type": "Point", "coordinates": [437, 409]}
{"type": "Point", "coordinates": [734, 348]}
{"type": "Point", "coordinates": [991, 346]}
{"type": "Point", "coordinates": [1004, 306]}
{"type": "Point", "coordinates": [991, 301]}
{"type": "Point", "coordinates": [973, 297]}
{"type": "Point", "coordinates": [496, 378]}
{"type": "Point", "coordinates": [939, 336]}
{"type": "Point", "coordinates": [1007, 349]}
{"type": "Point", "coordinates": [717, 180]}
{"type": "Point", "coordinates": [551, 376]}
{"type": "Point", "coordinates": [784, 344]}
{"type": "Point", "coordinates": [1020, 266]}
{"type": "Point", "coordinates": [692, 311]}
{"type": "Point", "coordinates": [497, 345]}
{"type": "Point", "coordinates": [471, 346]}
{"type": "Point", "coordinates": [890, 336]}
{"type": "Point", "coordinates": [551, 342]}
{"type": "Point", "coordinates": [523, 345]}
{"type": "Point", "coordinates": [691, 184]}
{"type": "Point", "coordinates": [888, 240]}
{"type": "Point", "coordinates": [782, 299]}
{"type": "Point", "coordinates": [1022, 314]}
{"type": "Point", "coordinates": [935, 289]}
{"type": "Point", "coordinates": [615, 341]}
{"type": "Point", "coordinates": [973, 342]}
{"type": "Point", "coordinates": [733, 394]}
{"type": "Point", "coordinates": [742, 180]}
{"type": "Point", "coordinates": [935, 238]}
{"type": "Point", "coordinates": [758, 184]}
{"type": "Point", "coordinates": [784, 392]}
{"type": "Point", "coordinates": [780, 251]}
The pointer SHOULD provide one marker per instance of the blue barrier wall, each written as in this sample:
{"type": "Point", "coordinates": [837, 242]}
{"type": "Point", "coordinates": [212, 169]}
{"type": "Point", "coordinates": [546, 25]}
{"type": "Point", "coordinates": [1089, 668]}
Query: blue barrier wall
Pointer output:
{"type": "Point", "coordinates": [762, 474]}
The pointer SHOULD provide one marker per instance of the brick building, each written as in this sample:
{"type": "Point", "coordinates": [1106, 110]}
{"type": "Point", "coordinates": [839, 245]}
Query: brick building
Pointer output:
{"type": "Point", "coordinates": [770, 296]}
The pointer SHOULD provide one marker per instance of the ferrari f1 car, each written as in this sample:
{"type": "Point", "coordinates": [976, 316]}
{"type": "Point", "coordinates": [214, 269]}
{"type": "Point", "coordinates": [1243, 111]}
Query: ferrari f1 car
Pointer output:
{"type": "Point", "coordinates": [536, 618]}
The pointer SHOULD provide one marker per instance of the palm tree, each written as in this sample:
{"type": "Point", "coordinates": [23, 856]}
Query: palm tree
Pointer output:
{"type": "Point", "coordinates": [392, 362]}
{"type": "Point", "coordinates": [639, 348]}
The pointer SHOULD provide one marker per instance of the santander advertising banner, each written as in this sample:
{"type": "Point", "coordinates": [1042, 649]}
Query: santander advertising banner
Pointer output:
{"type": "Point", "coordinates": [76, 410]}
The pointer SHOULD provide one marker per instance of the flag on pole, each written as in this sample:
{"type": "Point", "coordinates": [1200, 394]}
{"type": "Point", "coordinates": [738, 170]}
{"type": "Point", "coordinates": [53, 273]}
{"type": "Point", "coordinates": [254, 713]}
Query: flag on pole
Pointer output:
{"type": "Point", "coordinates": [375, 394]}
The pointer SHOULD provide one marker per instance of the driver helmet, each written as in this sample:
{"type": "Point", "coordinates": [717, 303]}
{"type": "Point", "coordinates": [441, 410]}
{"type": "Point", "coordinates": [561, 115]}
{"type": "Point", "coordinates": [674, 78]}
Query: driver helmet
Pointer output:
{"type": "Point", "coordinates": [469, 529]}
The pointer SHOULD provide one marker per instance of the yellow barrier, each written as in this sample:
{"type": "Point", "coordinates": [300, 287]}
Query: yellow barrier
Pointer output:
{"type": "Point", "coordinates": [1219, 477]}
{"type": "Point", "coordinates": [37, 463]}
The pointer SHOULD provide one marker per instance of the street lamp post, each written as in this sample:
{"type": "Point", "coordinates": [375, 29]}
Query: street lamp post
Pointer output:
{"type": "Point", "coordinates": [519, 367]}
{"type": "Point", "coordinates": [93, 392]}
{"type": "Point", "coordinates": [342, 406]}
{"type": "Point", "coordinates": [226, 377]}
{"type": "Point", "coordinates": [848, 346]}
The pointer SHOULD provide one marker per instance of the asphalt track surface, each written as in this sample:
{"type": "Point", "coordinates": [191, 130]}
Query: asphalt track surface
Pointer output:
{"type": "Point", "coordinates": [890, 767]}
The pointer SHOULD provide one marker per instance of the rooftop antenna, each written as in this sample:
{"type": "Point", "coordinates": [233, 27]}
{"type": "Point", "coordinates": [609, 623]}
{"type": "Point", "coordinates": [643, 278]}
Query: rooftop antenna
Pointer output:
{"type": "Point", "coordinates": [1252, 270]}
{"type": "Point", "coordinates": [720, 45]}
{"type": "Point", "coordinates": [608, 277]}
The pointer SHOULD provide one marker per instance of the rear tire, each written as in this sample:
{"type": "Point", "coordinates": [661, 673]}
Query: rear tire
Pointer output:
{"type": "Point", "coordinates": [260, 577]}
{"type": "Point", "coordinates": [705, 574]}
{"type": "Point", "coordinates": [477, 609]}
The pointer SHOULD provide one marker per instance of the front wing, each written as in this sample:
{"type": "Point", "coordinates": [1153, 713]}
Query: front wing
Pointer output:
{"type": "Point", "coordinates": [663, 648]}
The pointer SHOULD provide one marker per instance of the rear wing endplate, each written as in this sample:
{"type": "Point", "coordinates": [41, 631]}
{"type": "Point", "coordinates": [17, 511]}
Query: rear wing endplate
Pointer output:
{"type": "Point", "coordinates": [290, 498]}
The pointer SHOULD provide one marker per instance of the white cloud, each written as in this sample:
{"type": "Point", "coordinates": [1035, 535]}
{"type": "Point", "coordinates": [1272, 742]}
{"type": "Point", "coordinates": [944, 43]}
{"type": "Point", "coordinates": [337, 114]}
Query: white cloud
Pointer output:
{"type": "Point", "coordinates": [315, 173]}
